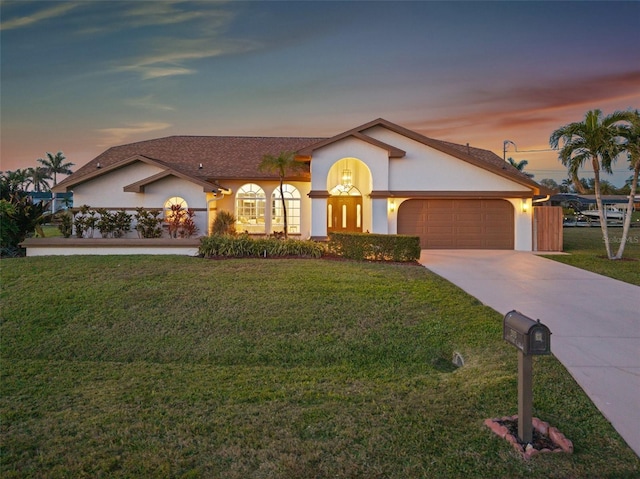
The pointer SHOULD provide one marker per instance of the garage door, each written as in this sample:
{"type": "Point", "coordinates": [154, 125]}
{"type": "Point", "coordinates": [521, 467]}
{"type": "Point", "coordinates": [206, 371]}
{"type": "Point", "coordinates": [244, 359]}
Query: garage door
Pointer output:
{"type": "Point", "coordinates": [458, 224]}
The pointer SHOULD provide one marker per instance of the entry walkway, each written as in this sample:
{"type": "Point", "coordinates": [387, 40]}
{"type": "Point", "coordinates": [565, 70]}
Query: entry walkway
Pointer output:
{"type": "Point", "coordinates": [594, 320]}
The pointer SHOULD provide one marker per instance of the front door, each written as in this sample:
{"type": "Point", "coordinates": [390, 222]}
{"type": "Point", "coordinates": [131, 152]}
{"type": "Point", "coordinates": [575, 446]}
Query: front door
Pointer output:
{"type": "Point", "coordinates": [344, 214]}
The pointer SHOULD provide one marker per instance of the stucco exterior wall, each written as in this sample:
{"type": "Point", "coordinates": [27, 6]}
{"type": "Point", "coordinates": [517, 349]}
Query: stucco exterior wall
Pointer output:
{"type": "Point", "coordinates": [107, 190]}
{"type": "Point", "coordinates": [427, 169]}
{"type": "Point", "coordinates": [376, 160]}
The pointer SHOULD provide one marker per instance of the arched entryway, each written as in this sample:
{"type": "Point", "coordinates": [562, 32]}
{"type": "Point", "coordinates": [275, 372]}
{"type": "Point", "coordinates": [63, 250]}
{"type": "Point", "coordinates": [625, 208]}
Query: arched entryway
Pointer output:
{"type": "Point", "coordinates": [346, 181]}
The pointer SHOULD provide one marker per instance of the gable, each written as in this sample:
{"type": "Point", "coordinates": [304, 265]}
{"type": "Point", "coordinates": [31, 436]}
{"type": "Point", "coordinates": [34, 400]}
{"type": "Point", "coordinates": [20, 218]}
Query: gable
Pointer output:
{"type": "Point", "coordinates": [418, 160]}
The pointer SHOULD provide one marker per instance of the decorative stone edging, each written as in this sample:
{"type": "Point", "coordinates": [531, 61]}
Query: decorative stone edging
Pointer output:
{"type": "Point", "coordinates": [528, 450]}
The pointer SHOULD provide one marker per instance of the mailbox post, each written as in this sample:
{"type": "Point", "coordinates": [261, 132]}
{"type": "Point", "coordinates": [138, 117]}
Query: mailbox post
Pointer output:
{"type": "Point", "coordinates": [530, 338]}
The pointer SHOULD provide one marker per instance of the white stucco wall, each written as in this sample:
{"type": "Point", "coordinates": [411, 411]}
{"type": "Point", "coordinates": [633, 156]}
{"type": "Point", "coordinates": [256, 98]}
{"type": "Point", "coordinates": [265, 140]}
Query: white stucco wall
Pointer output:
{"type": "Point", "coordinates": [107, 190]}
{"type": "Point", "coordinates": [422, 169]}
{"type": "Point", "coordinates": [427, 169]}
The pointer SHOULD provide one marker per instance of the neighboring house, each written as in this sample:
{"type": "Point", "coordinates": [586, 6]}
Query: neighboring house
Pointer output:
{"type": "Point", "coordinates": [378, 177]}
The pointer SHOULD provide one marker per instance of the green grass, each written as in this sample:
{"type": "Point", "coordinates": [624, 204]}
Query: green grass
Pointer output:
{"type": "Point", "coordinates": [586, 251]}
{"type": "Point", "coordinates": [51, 231]}
{"type": "Point", "coordinates": [132, 366]}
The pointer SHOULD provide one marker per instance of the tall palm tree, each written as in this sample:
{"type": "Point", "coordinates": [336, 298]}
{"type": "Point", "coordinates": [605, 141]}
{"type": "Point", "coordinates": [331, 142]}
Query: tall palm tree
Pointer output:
{"type": "Point", "coordinates": [56, 164]}
{"type": "Point", "coordinates": [38, 177]}
{"type": "Point", "coordinates": [285, 161]}
{"type": "Point", "coordinates": [519, 165]}
{"type": "Point", "coordinates": [632, 148]}
{"type": "Point", "coordinates": [596, 139]}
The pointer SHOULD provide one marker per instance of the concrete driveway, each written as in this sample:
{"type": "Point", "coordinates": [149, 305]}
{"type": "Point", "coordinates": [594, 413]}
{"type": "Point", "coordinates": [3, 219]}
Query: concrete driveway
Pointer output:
{"type": "Point", "coordinates": [594, 320]}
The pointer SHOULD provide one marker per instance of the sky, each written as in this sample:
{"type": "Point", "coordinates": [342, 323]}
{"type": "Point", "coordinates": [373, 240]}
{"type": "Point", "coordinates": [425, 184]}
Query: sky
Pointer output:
{"type": "Point", "coordinates": [82, 76]}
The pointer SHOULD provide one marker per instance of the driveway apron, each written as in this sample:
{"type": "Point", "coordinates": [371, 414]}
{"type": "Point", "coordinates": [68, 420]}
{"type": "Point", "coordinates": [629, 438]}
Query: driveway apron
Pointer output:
{"type": "Point", "coordinates": [594, 320]}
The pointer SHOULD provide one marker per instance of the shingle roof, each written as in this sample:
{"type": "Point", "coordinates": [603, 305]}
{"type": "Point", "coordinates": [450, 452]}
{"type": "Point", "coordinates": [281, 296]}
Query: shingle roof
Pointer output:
{"type": "Point", "coordinates": [238, 157]}
{"type": "Point", "coordinates": [222, 157]}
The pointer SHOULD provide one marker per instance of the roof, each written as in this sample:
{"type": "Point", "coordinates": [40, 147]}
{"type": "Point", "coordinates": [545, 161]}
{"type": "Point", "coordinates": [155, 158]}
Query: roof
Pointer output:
{"type": "Point", "coordinates": [209, 160]}
{"type": "Point", "coordinates": [222, 157]}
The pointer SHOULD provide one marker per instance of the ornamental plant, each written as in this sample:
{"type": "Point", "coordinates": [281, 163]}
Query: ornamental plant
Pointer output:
{"type": "Point", "coordinates": [148, 223]}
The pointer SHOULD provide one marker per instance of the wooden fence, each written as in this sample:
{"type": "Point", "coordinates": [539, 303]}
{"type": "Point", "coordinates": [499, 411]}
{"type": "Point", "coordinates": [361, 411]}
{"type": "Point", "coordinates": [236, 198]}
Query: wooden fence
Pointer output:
{"type": "Point", "coordinates": [547, 228]}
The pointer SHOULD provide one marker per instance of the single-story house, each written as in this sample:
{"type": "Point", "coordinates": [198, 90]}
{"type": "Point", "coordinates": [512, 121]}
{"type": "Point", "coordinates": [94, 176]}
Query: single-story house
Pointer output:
{"type": "Point", "coordinates": [378, 177]}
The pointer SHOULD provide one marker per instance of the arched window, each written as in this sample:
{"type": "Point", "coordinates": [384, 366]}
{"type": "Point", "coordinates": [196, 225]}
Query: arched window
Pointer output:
{"type": "Point", "coordinates": [292, 202]}
{"type": "Point", "coordinates": [250, 209]}
{"type": "Point", "coordinates": [171, 203]}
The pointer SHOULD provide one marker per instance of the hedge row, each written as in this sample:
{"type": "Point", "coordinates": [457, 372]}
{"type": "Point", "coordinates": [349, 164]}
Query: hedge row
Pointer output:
{"type": "Point", "coordinates": [244, 245]}
{"type": "Point", "coordinates": [366, 246]}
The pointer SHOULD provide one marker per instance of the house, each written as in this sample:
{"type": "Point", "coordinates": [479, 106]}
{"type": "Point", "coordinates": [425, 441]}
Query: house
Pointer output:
{"type": "Point", "coordinates": [378, 177]}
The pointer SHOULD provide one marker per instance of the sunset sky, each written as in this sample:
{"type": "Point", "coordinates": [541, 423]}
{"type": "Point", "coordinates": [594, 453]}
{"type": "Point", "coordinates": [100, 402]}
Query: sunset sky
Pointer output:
{"type": "Point", "coordinates": [86, 75]}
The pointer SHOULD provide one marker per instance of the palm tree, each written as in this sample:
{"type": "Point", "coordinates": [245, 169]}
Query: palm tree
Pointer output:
{"type": "Point", "coordinates": [17, 180]}
{"type": "Point", "coordinates": [56, 164]}
{"type": "Point", "coordinates": [632, 148]}
{"type": "Point", "coordinates": [520, 166]}
{"type": "Point", "coordinates": [38, 177]}
{"type": "Point", "coordinates": [285, 161]}
{"type": "Point", "coordinates": [597, 139]}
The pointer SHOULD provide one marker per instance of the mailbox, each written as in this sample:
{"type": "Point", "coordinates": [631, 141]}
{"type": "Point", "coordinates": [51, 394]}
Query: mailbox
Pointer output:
{"type": "Point", "coordinates": [527, 335]}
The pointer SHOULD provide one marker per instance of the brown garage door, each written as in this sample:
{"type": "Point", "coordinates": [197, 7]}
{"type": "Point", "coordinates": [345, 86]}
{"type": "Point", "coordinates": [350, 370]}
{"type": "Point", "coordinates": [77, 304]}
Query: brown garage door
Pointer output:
{"type": "Point", "coordinates": [458, 224]}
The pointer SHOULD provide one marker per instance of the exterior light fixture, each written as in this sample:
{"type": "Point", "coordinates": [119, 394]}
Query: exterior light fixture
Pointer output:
{"type": "Point", "coordinates": [525, 206]}
{"type": "Point", "coordinates": [346, 178]}
{"type": "Point", "coordinates": [98, 166]}
{"type": "Point", "coordinates": [392, 206]}
{"type": "Point", "coordinates": [200, 166]}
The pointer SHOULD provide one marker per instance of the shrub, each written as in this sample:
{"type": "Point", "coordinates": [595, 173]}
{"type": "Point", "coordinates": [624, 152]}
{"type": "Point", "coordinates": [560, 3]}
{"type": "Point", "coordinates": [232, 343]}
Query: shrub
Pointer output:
{"type": "Point", "coordinates": [20, 218]}
{"type": "Point", "coordinates": [244, 246]}
{"type": "Point", "coordinates": [66, 223]}
{"type": "Point", "coordinates": [85, 222]}
{"type": "Point", "coordinates": [148, 223]}
{"type": "Point", "coordinates": [180, 222]}
{"type": "Point", "coordinates": [224, 224]}
{"type": "Point", "coordinates": [378, 247]}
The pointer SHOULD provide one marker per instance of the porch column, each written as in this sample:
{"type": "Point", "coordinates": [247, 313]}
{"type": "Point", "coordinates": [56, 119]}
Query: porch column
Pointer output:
{"type": "Point", "coordinates": [379, 216]}
{"type": "Point", "coordinates": [319, 214]}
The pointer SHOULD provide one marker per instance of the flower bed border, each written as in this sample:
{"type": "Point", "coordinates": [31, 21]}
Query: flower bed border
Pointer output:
{"type": "Point", "coordinates": [527, 450]}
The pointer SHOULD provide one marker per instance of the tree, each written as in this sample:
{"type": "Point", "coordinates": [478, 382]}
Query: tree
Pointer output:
{"type": "Point", "coordinates": [38, 177]}
{"type": "Point", "coordinates": [14, 181]}
{"type": "Point", "coordinates": [520, 166]}
{"type": "Point", "coordinates": [285, 161]}
{"type": "Point", "coordinates": [56, 164]}
{"type": "Point", "coordinates": [597, 139]}
{"type": "Point", "coordinates": [631, 147]}
{"type": "Point", "coordinates": [550, 184]}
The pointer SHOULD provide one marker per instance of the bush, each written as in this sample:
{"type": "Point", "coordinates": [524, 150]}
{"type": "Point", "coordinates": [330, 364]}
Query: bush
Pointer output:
{"type": "Point", "coordinates": [20, 218]}
{"type": "Point", "coordinates": [66, 224]}
{"type": "Point", "coordinates": [148, 223]}
{"type": "Point", "coordinates": [378, 247]}
{"type": "Point", "coordinates": [245, 246]}
{"type": "Point", "coordinates": [224, 224]}
{"type": "Point", "coordinates": [180, 222]}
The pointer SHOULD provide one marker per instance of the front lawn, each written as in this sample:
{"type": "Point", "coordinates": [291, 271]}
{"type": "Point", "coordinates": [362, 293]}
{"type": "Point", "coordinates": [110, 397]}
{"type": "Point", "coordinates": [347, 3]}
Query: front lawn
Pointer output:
{"type": "Point", "coordinates": [586, 251]}
{"type": "Point", "coordinates": [132, 366]}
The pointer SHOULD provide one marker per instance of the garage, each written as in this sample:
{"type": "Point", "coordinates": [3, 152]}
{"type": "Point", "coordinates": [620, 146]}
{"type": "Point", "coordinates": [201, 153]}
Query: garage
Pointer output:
{"type": "Point", "coordinates": [458, 223]}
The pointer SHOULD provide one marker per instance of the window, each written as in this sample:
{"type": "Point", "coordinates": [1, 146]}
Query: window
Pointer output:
{"type": "Point", "coordinates": [292, 202]}
{"type": "Point", "coordinates": [250, 209]}
{"type": "Point", "coordinates": [171, 203]}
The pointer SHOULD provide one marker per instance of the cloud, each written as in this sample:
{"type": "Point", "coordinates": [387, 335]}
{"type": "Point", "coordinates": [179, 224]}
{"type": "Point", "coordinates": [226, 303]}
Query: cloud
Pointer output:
{"type": "Point", "coordinates": [532, 106]}
{"type": "Point", "coordinates": [42, 15]}
{"type": "Point", "coordinates": [119, 136]}
{"type": "Point", "coordinates": [176, 53]}
{"type": "Point", "coordinates": [210, 17]}
{"type": "Point", "coordinates": [148, 103]}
